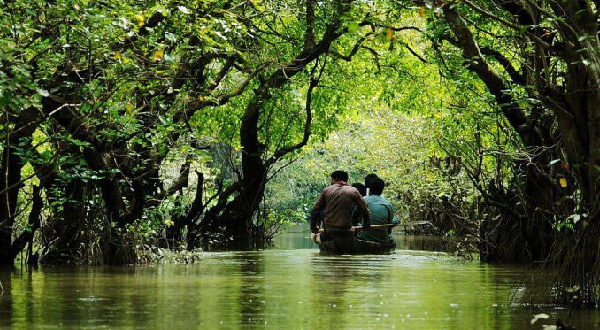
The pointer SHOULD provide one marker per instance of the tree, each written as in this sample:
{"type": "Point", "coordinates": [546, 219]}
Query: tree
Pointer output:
{"type": "Point", "coordinates": [542, 73]}
{"type": "Point", "coordinates": [237, 215]}
{"type": "Point", "coordinates": [112, 88]}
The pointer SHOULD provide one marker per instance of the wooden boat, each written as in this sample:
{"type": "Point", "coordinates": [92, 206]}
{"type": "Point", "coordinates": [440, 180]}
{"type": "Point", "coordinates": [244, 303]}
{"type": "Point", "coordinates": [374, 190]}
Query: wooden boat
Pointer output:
{"type": "Point", "coordinates": [360, 246]}
{"type": "Point", "coordinates": [364, 247]}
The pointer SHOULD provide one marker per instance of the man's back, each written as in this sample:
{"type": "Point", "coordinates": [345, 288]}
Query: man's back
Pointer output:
{"type": "Point", "coordinates": [382, 213]}
{"type": "Point", "coordinates": [339, 200]}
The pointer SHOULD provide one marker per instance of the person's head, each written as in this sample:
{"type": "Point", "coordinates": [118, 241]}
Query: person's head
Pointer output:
{"type": "Point", "coordinates": [361, 188]}
{"type": "Point", "coordinates": [368, 179]}
{"type": "Point", "coordinates": [377, 186]}
{"type": "Point", "coordinates": [339, 176]}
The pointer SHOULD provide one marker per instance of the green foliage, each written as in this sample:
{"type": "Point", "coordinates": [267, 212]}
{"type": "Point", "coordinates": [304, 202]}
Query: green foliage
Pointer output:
{"type": "Point", "coordinates": [124, 97]}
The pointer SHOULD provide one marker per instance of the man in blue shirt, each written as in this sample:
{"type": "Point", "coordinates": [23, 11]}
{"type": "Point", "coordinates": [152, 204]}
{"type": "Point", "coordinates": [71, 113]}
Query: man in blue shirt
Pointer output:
{"type": "Point", "coordinates": [381, 213]}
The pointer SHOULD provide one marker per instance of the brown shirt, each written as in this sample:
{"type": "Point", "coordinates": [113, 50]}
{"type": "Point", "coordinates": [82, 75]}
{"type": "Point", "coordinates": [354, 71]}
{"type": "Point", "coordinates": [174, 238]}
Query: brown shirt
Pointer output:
{"type": "Point", "coordinates": [338, 200]}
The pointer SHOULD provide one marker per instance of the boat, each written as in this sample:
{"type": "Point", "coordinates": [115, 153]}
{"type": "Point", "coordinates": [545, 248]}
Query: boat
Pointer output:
{"type": "Point", "coordinates": [361, 247]}
{"type": "Point", "coordinates": [364, 248]}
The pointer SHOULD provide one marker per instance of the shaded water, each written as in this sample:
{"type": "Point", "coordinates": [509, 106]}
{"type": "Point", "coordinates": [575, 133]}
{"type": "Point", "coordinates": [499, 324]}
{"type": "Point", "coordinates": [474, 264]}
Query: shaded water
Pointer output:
{"type": "Point", "coordinates": [289, 286]}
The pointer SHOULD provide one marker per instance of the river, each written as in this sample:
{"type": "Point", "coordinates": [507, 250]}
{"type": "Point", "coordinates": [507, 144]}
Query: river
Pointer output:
{"type": "Point", "coordinates": [289, 286]}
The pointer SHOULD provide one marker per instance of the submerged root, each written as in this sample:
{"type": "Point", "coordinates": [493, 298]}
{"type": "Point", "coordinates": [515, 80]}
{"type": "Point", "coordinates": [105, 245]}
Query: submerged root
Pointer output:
{"type": "Point", "coordinates": [579, 275]}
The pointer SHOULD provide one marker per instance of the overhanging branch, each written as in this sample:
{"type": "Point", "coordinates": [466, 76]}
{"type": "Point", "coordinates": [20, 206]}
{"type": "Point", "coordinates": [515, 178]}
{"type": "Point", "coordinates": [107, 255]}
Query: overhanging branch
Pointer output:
{"type": "Point", "coordinates": [314, 82]}
{"type": "Point", "coordinates": [476, 63]}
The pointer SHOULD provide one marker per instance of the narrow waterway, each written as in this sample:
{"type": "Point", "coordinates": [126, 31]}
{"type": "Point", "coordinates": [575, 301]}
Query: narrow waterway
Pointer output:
{"type": "Point", "coordinates": [289, 286]}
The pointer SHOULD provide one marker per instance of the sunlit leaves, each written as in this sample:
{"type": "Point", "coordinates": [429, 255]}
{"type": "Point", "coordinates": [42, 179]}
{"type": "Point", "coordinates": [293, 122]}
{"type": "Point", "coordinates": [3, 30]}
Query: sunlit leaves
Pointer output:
{"type": "Point", "coordinates": [563, 182]}
{"type": "Point", "coordinates": [353, 27]}
{"type": "Point", "coordinates": [140, 20]}
{"type": "Point", "coordinates": [389, 34]}
{"type": "Point", "coordinates": [159, 55]}
{"type": "Point", "coordinates": [183, 9]}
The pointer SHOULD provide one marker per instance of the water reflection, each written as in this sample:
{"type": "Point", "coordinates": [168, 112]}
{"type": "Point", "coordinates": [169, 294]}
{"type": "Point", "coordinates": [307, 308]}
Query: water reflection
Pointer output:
{"type": "Point", "coordinates": [252, 298]}
{"type": "Point", "coordinates": [300, 239]}
{"type": "Point", "coordinates": [331, 278]}
{"type": "Point", "coordinates": [276, 289]}
{"type": "Point", "coordinates": [5, 297]}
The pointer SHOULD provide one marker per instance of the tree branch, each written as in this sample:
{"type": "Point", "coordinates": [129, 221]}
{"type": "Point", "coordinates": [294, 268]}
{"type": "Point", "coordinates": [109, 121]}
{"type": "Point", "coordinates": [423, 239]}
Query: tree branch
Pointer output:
{"type": "Point", "coordinates": [516, 76]}
{"type": "Point", "coordinates": [354, 50]}
{"type": "Point", "coordinates": [476, 63]}
{"type": "Point", "coordinates": [314, 82]}
{"type": "Point", "coordinates": [309, 35]}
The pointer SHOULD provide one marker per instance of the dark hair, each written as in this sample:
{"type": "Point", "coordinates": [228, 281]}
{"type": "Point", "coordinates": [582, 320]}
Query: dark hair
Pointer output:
{"type": "Point", "coordinates": [377, 186]}
{"type": "Point", "coordinates": [361, 188]}
{"type": "Point", "coordinates": [339, 176]}
{"type": "Point", "coordinates": [368, 179]}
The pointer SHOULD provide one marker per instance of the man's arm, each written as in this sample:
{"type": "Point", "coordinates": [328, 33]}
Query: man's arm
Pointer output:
{"type": "Point", "coordinates": [364, 209]}
{"type": "Point", "coordinates": [393, 218]}
{"type": "Point", "coordinates": [356, 216]}
{"type": "Point", "coordinates": [314, 213]}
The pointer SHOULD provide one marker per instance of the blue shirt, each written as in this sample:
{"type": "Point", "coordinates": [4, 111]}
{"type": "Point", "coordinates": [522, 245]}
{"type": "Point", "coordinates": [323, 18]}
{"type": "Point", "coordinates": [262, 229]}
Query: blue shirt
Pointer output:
{"type": "Point", "coordinates": [382, 213]}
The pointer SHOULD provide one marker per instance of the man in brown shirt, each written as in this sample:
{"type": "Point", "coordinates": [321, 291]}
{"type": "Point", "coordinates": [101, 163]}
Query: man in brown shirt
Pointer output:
{"type": "Point", "coordinates": [339, 199]}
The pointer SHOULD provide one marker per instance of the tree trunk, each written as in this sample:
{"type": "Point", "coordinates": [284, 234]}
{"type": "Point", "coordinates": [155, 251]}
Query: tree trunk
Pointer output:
{"type": "Point", "coordinates": [10, 180]}
{"type": "Point", "coordinates": [174, 234]}
{"type": "Point", "coordinates": [26, 237]}
{"type": "Point", "coordinates": [239, 222]}
{"type": "Point", "coordinates": [68, 229]}
{"type": "Point", "coordinates": [11, 175]}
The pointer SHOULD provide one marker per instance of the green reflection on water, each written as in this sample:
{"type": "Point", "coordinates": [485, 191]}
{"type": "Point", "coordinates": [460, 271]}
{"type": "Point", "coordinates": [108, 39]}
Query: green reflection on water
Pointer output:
{"type": "Point", "coordinates": [290, 286]}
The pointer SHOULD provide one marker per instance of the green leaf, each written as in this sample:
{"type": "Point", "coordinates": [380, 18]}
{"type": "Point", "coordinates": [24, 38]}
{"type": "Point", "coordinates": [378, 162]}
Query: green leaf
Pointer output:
{"type": "Point", "coordinates": [353, 27]}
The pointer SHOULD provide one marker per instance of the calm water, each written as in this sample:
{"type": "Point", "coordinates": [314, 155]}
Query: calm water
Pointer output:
{"type": "Point", "coordinates": [288, 287]}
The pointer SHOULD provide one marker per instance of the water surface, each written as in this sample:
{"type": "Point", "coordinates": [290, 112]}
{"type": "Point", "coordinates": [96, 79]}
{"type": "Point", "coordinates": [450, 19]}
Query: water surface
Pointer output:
{"type": "Point", "coordinates": [288, 287]}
